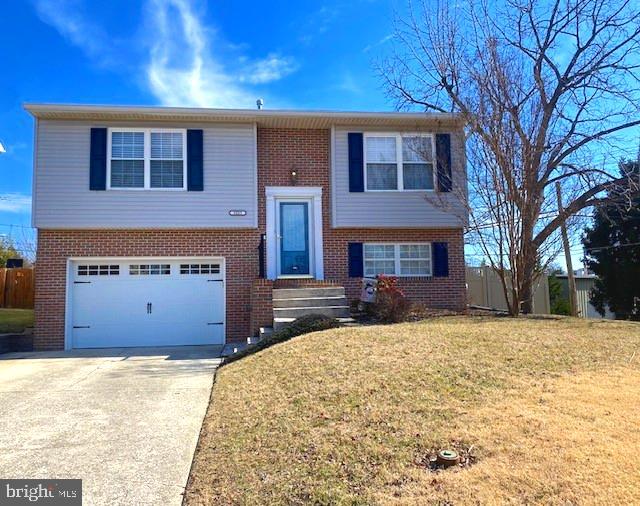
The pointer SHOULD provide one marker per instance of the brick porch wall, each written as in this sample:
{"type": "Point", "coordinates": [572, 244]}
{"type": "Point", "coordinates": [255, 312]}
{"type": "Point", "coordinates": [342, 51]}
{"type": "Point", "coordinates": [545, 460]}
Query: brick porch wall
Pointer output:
{"type": "Point", "coordinates": [261, 305]}
{"type": "Point", "coordinates": [239, 247]}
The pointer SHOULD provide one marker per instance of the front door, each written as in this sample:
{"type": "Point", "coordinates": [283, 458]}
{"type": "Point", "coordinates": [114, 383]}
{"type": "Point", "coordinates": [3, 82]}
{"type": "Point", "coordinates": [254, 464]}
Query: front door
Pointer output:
{"type": "Point", "coordinates": [294, 239]}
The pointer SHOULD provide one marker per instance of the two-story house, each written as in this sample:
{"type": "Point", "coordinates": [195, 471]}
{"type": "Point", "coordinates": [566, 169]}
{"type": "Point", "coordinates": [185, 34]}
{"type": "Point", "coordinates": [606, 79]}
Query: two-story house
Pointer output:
{"type": "Point", "coordinates": [171, 226]}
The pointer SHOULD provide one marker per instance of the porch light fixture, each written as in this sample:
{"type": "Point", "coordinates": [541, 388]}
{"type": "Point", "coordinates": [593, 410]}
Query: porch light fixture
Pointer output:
{"type": "Point", "coordinates": [294, 177]}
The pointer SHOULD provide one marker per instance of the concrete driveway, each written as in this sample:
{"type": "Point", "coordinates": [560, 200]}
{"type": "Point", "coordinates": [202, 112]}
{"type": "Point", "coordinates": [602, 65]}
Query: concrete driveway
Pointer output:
{"type": "Point", "coordinates": [126, 421]}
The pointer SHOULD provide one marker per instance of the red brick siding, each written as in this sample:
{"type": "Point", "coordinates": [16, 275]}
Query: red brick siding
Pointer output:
{"type": "Point", "coordinates": [239, 247]}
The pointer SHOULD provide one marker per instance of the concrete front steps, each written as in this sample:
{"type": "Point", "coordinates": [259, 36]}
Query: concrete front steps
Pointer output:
{"type": "Point", "coordinates": [292, 303]}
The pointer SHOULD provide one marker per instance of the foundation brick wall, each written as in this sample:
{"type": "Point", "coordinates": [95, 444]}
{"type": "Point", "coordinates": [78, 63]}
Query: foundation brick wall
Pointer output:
{"type": "Point", "coordinates": [249, 304]}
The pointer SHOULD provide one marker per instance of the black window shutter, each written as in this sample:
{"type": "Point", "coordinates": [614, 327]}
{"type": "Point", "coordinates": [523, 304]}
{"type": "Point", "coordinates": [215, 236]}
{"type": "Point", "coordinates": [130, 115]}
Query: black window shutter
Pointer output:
{"type": "Point", "coordinates": [443, 160]}
{"type": "Point", "coordinates": [195, 161]}
{"type": "Point", "coordinates": [356, 162]}
{"type": "Point", "coordinates": [356, 269]}
{"type": "Point", "coordinates": [440, 255]}
{"type": "Point", "coordinates": [98, 159]}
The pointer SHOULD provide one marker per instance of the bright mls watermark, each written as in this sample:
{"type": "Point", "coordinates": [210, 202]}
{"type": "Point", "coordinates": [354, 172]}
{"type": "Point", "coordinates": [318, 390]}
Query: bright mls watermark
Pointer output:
{"type": "Point", "coordinates": [48, 492]}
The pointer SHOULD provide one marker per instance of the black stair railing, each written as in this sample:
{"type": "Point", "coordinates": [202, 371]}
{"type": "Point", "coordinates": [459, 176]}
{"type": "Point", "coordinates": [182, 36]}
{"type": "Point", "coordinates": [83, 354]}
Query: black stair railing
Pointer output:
{"type": "Point", "coordinates": [261, 261]}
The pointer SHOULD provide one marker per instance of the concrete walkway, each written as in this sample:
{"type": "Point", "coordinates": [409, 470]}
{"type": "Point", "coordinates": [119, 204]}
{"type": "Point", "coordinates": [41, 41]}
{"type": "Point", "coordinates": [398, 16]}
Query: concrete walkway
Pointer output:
{"type": "Point", "coordinates": [126, 421]}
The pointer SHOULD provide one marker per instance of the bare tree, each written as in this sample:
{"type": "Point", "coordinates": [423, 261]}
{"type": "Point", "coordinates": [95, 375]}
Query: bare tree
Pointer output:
{"type": "Point", "coordinates": [546, 87]}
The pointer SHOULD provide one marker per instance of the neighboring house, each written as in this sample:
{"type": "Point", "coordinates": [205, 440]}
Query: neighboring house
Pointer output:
{"type": "Point", "coordinates": [168, 226]}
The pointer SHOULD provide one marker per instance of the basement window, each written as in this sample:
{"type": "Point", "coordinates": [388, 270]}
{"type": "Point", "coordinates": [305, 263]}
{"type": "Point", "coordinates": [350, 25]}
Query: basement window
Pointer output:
{"type": "Point", "coordinates": [406, 259]}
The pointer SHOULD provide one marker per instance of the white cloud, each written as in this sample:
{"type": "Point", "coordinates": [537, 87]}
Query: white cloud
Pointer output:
{"type": "Point", "coordinates": [383, 40]}
{"type": "Point", "coordinates": [15, 203]}
{"type": "Point", "coordinates": [318, 22]}
{"type": "Point", "coordinates": [67, 18]}
{"type": "Point", "coordinates": [181, 70]}
{"type": "Point", "coordinates": [182, 66]}
{"type": "Point", "coordinates": [349, 84]}
{"type": "Point", "coordinates": [271, 68]}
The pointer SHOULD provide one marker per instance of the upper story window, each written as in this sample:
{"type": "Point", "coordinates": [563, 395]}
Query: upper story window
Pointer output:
{"type": "Point", "coordinates": [147, 159]}
{"type": "Point", "coordinates": [395, 162]}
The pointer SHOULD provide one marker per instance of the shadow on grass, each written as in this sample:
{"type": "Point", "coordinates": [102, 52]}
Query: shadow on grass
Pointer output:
{"type": "Point", "coordinates": [303, 325]}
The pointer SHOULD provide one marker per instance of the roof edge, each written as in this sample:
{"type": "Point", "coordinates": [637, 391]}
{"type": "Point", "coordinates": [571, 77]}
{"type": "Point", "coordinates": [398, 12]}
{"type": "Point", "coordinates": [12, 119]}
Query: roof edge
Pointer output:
{"type": "Point", "coordinates": [40, 110]}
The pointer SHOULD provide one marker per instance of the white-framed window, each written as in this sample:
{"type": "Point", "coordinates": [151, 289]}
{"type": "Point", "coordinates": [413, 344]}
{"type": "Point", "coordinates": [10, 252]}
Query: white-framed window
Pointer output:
{"type": "Point", "coordinates": [398, 259]}
{"type": "Point", "coordinates": [399, 162]}
{"type": "Point", "coordinates": [147, 159]}
{"type": "Point", "coordinates": [98, 270]}
{"type": "Point", "coordinates": [199, 268]}
{"type": "Point", "coordinates": [149, 269]}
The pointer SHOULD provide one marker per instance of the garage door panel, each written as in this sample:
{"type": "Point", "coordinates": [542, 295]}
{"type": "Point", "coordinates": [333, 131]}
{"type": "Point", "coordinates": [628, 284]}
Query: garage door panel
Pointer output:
{"type": "Point", "coordinates": [114, 335]}
{"type": "Point", "coordinates": [148, 307]}
{"type": "Point", "coordinates": [109, 301]}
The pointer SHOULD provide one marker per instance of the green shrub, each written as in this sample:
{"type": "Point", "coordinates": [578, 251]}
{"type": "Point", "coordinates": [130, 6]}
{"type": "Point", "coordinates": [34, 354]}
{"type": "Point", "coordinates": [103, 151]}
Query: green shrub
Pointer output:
{"type": "Point", "coordinates": [302, 325]}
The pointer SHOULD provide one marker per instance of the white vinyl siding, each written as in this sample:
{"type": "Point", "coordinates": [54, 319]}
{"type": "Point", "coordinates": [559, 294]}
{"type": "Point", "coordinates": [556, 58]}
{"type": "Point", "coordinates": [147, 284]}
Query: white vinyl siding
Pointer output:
{"type": "Point", "coordinates": [399, 162]}
{"type": "Point", "coordinates": [146, 159]}
{"type": "Point", "coordinates": [410, 259]}
{"type": "Point", "coordinates": [395, 209]}
{"type": "Point", "coordinates": [62, 198]}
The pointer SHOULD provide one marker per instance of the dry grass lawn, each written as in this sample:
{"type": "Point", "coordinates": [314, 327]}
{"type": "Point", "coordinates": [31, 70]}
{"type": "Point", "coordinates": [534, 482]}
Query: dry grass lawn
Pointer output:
{"type": "Point", "coordinates": [551, 409]}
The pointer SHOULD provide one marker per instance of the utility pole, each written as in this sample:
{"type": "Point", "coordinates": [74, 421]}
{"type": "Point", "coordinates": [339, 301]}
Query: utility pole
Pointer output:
{"type": "Point", "coordinates": [573, 303]}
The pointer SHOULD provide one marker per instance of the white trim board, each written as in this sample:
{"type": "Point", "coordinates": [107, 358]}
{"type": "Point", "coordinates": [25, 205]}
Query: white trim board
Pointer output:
{"type": "Point", "coordinates": [314, 195]}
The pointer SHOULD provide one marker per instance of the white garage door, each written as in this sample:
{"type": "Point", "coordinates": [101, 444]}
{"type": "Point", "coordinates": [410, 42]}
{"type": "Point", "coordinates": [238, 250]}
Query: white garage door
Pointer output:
{"type": "Point", "coordinates": [146, 302]}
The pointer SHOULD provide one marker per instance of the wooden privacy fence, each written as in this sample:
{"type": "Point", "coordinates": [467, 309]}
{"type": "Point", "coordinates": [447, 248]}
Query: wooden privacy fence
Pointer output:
{"type": "Point", "coordinates": [484, 289]}
{"type": "Point", "coordinates": [17, 288]}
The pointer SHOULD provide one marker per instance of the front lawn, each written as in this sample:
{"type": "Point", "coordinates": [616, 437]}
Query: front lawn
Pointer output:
{"type": "Point", "coordinates": [548, 408]}
{"type": "Point", "coordinates": [15, 320]}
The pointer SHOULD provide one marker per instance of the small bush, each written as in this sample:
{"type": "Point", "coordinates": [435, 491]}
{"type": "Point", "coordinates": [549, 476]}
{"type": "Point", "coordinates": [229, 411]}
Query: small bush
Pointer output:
{"type": "Point", "coordinates": [302, 325]}
{"type": "Point", "coordinates": [391, 305]}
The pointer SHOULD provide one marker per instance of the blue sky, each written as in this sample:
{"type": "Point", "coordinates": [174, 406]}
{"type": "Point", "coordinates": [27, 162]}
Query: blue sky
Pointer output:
{"type": "Point", "coordinates": [179, 52]}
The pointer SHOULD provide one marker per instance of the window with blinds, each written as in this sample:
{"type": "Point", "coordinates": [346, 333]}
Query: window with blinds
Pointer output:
{"type": "Point", "coordinates": [147, 159]}
{"type": "Point", "coordinates": [167, 160]}
{"type": "Point", "coordinates": [127, 159]}
{"type": "Point", "coordinates": [398, 259]}
{"type": "Point", "coordinates": [398, 162]}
